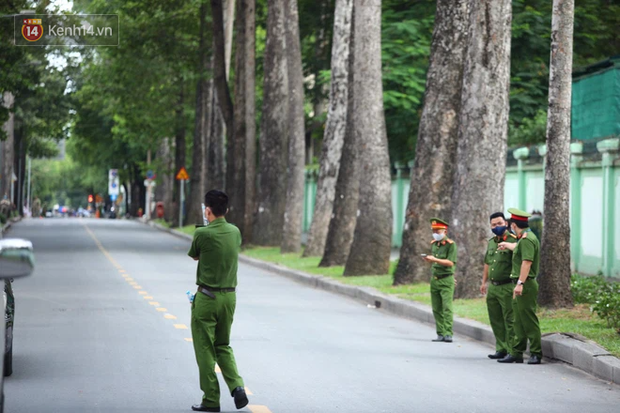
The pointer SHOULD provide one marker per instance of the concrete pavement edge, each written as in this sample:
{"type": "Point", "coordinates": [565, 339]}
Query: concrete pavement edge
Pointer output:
{"type": "Point", "coordinates": [572, 349]}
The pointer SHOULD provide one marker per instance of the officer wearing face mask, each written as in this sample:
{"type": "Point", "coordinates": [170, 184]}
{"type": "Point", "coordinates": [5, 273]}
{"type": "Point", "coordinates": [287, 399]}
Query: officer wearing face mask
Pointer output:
{"type": "Point", "coordinates": [497, 285]}
{"type": "Point", "coordinates": [443, 258]}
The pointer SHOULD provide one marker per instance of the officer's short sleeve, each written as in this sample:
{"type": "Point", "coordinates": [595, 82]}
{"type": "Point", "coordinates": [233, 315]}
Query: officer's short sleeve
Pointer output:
{"type": "Point", "coordinates": [487, 255]}
{"type": "Point", "coordinates": [452, 253]}
{"type": "Point", "coordinates": [194, 250]}
{"type": "Point", "coordinates": [527, 249]}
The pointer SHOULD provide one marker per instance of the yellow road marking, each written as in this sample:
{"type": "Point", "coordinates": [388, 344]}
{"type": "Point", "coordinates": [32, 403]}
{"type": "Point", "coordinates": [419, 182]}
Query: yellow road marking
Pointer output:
{"type": "Point", "coordinates": [137, 287]}
{"type": "Point", "coordinates": [161, 309]}
{"type": "Point", "coordinates": [248, 392]}
{"type": "Point", "coordinates": [155, 303]}
{"type": "Point", "coordinates": [129, 279]}
{"type": "Point", "coordinates": [147, 297]}
{"type": "Point", "coordinates": [133, 283]}
{"type": "Point", "coordinates": [169, 317]}
{"type": "Point", "coordinates": [189, 340]}
{"type": "Point", "coordinates": [258, 409]}
{"type": "Point", "coordinates": [121, 270]}
{"type": "Point", "coordinates": [180, 326]}
{"type": "Point", "coordinates": [142, 292]}
{"type": "Point", "coordinates": [125, 276]}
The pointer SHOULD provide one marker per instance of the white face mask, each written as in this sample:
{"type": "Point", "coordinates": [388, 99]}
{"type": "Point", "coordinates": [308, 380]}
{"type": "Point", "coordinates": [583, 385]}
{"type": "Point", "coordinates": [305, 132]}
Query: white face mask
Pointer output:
{"type": "Point", "coordinates": [438, 237]}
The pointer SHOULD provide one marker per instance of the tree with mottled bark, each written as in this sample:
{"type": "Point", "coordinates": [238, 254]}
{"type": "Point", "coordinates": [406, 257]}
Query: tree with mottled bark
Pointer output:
{"type": "Point", "coordinates": [481, 153]}
{"type": "Point", "coordinates": [555, 256]}
{"type": "Point", "coordinates": [344, 214]}
{"type": "Point", "coordinates": [179, 154]}
{"type": "Point", "coordinates": [372, 240]}
{"type": "Point", "coordinates": [196, 190]}
{"type": "Point", "coordinates": [291, 230]}
{"type": "Point", "coordinates": [433, 170]}
{"type": "Point", "coordinates": [242, 147]}
{"type": "Point", "coordinates": [333, 139]}
{"type": "Point", "coordinates": [8, 147]}
{"type": "Point", "coordinates": [274, 132]}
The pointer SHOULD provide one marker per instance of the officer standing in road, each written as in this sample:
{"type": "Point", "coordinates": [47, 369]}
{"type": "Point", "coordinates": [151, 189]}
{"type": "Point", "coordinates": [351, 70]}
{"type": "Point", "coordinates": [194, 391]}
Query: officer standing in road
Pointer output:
{"type": "Point", "coordinates": [525, 262]}
{"type": "Point", "coordinates": [497, 269]}
{"type": "Point", "coordinates": [216, 248]}
{"type": "Point", "coordinates": [443, 257]}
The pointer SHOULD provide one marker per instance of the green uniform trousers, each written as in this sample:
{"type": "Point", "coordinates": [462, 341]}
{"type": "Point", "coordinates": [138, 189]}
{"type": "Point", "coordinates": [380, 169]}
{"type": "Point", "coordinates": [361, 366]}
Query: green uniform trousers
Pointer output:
{"type": "Point", "coordinates": [499, 305]}
{"type": "Point", "coordinates": [211, 323]}
{"type": "Point", "coordinates": [526, 324]}
{"type": "Point", "coordinates": [442, 294]}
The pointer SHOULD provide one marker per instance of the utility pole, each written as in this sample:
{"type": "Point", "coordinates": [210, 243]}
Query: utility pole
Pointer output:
{"type": "Point", "coordinates": [29, 199]}
{"type": "Point", "coordinates": [147, 205]}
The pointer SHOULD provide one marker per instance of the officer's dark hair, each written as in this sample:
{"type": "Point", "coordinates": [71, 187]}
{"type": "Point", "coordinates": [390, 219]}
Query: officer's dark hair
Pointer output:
{"type": "Point", "coordinates": [497, 215]}
{"type": "Point", "coordinates": [217, 201]}
{"type": "Point", "coordinates": [521, 224]}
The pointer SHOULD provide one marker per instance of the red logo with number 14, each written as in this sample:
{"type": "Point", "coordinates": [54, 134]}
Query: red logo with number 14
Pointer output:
{"type": "Point", "coordinates": [32, 30]}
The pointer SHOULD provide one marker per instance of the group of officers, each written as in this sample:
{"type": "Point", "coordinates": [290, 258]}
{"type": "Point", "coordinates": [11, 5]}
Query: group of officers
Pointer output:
{"type": "Point", "coordinates": [511, 265]}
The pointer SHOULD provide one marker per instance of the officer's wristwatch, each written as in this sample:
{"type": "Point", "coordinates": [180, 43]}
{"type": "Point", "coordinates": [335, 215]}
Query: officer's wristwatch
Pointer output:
{"type": "Point", "coordinates": [520, 282]}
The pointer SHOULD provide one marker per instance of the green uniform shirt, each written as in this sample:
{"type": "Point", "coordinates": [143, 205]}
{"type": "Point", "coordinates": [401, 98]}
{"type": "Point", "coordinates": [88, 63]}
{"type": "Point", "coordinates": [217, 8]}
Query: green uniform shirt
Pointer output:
{"type": "Point", "coordinates": [527, 249]}
{"type": "Point", "coordinates": [217, 245]}
{"type": "Point", "coordinates": [444, 250]}
{"type": "Point", "coordinates": [499, 261]}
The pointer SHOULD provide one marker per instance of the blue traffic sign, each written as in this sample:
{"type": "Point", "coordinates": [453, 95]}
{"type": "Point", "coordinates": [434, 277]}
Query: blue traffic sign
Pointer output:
{"type": "Point", "coordinates": [150, 174]}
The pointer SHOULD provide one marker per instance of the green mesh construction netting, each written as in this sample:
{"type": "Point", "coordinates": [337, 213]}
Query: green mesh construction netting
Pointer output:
{"type": "Point", "coordinates": [596, 104]}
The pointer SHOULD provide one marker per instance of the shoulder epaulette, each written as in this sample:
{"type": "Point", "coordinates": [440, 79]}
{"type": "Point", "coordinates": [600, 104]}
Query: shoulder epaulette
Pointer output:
{"type": "Point", "coordinates": [512, 235]}
{"type": "Point", "coordinates": [524, 235]}
{"type": "Point", "coordinates": [449, 241]}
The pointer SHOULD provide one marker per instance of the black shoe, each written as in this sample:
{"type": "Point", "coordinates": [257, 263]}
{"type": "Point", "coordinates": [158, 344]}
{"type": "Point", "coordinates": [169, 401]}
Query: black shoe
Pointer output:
{"type": "Point", "coordinates": [439, 339]}
{"type": "Point", "coordinates": [447, 339]}
{"type": "Point", "coordinates": [534, 360]}
{"type": "Point", "coordinates": [241, 399]}
{"type": "Point", "coordinates": [510, 359]}
{"type": "Point", "coordinates": [201, 408]}
{"type": "Point", "coordinates": [498, 355]}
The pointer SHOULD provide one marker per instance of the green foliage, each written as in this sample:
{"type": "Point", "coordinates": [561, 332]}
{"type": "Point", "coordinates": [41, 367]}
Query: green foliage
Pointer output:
{"type": "Point", "coordinates": [603, 296]}
{"type": "Point", "coordinates": [530, 131]}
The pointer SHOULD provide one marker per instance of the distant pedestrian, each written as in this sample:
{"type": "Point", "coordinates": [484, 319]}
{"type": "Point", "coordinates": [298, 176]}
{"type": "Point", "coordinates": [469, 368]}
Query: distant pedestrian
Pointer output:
{"type": "Point", "coordinates": [216, 248]}
{"type": "Point", "coordinates": [443, 258]}
{"type": "Point", "coordinates": [497, 285]}
{"type": "Point", "coordinates": [525, 262]}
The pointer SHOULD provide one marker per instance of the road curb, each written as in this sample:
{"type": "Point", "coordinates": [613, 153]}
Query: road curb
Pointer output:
{"type": "Point", "coordinates": [569, 348]}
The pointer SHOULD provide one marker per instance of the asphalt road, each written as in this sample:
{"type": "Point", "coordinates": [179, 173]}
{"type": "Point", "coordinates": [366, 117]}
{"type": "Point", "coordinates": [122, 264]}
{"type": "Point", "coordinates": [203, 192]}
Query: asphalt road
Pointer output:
{"type": "Point", "coordinates": [89, 339]}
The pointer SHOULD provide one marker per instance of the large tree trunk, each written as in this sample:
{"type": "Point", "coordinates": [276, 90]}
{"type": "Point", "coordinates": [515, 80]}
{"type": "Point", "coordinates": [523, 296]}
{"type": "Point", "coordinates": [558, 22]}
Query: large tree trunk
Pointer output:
{"type": "Point", "coordinates": [179, 154]}
{"type": "Point", "coordinates": [196, 191]}
{"type": "Point", "coordinates": [244, 127]}
{"type": "Point", "coordinates": [433, 171]}
{"type": "Point", "coordinates": [333, 138]}
{"type": "Point", "coordinates": [372, 241]}
{"type": "Point", "coordinates": [555, 269]}
{"type": "Point", "coordinates": [165, 189]}
{"type": "Point", "coordinates": [274, 132]}
{"type": "Point", "coordinates": [481, 154]}
{"type": "Point", "coordinates": [291, 231]}
{"type": "Point", "coordinates": [8, 148]}
{"type": "Point", "coordinates": [247, 111]}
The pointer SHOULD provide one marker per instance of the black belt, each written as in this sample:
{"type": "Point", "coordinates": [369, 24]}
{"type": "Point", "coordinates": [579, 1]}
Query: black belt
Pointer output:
{"type": "Point", "coordinates": [208, 291]}
{"type": "Point", "coordinates": [514, 280]}
{"type": "Point", "coordinates": [501, 282]}
{"type": "Point", "coordinates": [440, 277]}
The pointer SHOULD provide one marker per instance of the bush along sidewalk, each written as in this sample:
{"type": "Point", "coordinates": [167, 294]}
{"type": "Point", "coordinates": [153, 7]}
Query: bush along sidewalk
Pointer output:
{"type": "Point", "coordinates": [580, 329]}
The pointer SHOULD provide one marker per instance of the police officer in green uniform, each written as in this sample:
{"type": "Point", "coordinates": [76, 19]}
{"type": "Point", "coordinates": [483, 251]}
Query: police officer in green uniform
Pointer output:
{"type": "Point", "coordinates": [497, 285]}
{"type": "Point", "coordinates": [443, 258]}
{"type": "Point", "coordinates": [525, 262]}
{"type": "Point", "coordinates": [216, 248]}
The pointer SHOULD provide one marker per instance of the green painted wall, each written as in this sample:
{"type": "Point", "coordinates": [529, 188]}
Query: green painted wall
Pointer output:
{"type": "Point", "coordinates": [595, 230]}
